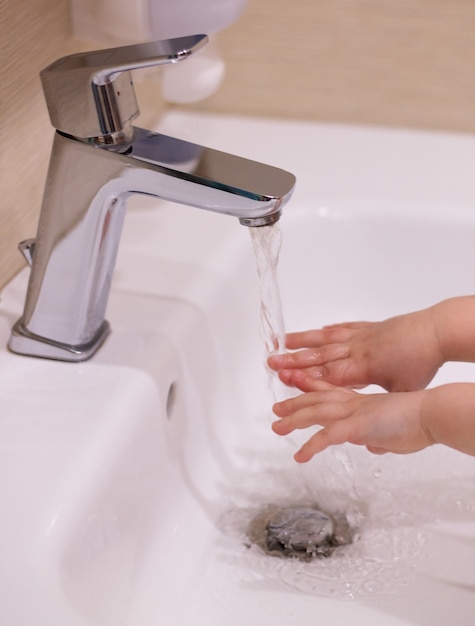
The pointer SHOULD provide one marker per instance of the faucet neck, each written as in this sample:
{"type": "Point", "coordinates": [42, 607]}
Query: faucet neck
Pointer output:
{"type": "Point", "coordinates": [81, 222]}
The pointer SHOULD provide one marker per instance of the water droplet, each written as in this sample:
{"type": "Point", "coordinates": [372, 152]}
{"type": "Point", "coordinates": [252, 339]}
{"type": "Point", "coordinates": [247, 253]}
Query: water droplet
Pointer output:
{"type": "Point", "coordinates": [377, 472]}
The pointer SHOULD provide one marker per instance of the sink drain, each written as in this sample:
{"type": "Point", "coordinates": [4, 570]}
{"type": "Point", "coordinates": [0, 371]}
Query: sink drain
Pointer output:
{"type": "Point", "coordinates": [302, 532]}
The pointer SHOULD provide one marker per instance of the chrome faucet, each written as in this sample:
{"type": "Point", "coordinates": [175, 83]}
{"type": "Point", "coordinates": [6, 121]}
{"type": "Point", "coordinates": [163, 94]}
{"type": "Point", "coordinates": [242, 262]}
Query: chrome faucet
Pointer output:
{"type": "Point", "coordinates": [98, 159]}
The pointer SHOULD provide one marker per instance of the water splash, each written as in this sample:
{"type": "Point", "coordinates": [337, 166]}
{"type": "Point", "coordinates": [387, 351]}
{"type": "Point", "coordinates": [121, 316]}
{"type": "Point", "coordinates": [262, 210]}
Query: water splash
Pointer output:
{"type": "Point", "coordinates": [335, 464]}
{"type": "Point", "coordinates": [403, 536]}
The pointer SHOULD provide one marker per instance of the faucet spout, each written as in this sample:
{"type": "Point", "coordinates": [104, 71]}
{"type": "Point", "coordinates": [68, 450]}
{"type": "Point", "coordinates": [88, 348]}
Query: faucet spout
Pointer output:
{"type": "Point", "coordinates": [210, 179]}
{"type": "Point", "coordinates": [81, 221]}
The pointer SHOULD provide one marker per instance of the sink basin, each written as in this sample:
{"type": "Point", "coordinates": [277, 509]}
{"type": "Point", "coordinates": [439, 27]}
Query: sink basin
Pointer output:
{"type": "Point", "coordinates": [128, 481]}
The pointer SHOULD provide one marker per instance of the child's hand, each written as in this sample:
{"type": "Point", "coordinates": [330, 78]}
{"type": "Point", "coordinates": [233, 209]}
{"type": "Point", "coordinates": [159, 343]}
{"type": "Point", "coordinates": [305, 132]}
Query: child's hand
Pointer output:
{"type": "Point", "coordinates": [399, 354]}
{"type": "Point", "coordinates": [381, 422]}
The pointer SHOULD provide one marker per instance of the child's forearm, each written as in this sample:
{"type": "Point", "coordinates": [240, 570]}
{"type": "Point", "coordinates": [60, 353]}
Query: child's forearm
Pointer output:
{"type": "Point", "coordinates": [447, 415]}
{"type": "Point", "coordinates": [454, 321]}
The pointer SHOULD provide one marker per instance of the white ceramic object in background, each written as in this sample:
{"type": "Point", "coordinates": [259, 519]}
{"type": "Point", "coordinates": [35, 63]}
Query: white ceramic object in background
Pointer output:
{"type": "Point", "coordinates": [113, 22]}
{"type": "Point", "coordinates": [140, 20]}
{"type": "Point", "coordinates": [126, 481]}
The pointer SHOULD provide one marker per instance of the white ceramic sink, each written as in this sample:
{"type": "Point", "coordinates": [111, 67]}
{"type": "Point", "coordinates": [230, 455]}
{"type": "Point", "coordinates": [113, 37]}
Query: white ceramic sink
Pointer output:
{"type": "Point", "coordinates": [127, 482]}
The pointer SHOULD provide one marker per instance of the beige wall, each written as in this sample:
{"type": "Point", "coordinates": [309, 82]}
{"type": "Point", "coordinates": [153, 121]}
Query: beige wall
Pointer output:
{"type": "Point", "coordinates": [398, 62]}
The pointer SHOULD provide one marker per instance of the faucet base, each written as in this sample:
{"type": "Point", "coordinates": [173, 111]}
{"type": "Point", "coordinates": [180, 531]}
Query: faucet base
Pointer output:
{"type": "Point", "coordinates": [22, 341]}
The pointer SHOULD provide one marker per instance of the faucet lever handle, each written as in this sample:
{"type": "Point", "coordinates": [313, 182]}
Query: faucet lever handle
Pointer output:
{"type": "Point", "coordinates": [90, 95]}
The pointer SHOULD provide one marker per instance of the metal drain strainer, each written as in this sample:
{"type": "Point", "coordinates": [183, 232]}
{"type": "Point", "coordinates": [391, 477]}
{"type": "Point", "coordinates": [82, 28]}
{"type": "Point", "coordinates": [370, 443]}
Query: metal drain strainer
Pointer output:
{"type": "Point", "coordinates": [302, 532]}
{"type": "Point", "coordinates": [299, 528]}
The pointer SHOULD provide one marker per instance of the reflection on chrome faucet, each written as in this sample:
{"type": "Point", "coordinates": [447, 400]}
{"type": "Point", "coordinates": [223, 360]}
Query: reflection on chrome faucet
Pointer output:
{"type": "Point", "coordinates": [98, 159]}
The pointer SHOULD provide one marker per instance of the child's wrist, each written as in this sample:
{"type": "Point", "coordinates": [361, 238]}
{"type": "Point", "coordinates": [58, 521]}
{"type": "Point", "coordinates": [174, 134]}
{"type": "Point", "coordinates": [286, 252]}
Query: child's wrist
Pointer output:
{"type": "Point", "coordinates": [454, 328]}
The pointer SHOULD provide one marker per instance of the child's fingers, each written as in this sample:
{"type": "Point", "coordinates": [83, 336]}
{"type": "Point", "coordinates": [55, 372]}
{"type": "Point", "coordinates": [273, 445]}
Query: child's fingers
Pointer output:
{"type": "Point", "coordinates": [305, 380]}
{"type": "Point", "coordinates": [318, 337]}
{"type": "Point", "coordinates": [309, 357]}
{"type": "Point", "coordinates": [343, 373]}
{"type": "Point", "coordinates": [311, 409]}
{"type": "Point", "coordinates": [317, 396]}
{"type": "Point", "coordinates": [305, 339]}
{"type": "Point", "coordinates": [337, 433]}
{"type": "Point", "coordinates": [316, 415]}
{"type": "Point", "coordinates": [347, 325]}
{"type": "Point", "coordinates": [376, 450]}
{"type": "Point", "coordinates": [292, 360]}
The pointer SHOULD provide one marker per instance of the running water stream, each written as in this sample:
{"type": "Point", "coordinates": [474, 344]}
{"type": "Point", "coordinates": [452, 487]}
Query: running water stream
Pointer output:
{"type": "Point", "coordinates": [267, 243]}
